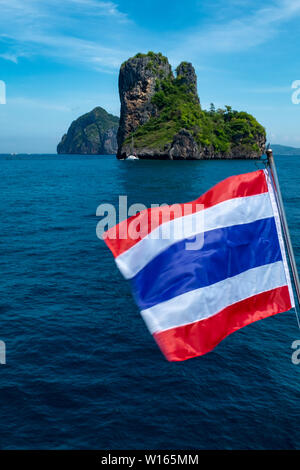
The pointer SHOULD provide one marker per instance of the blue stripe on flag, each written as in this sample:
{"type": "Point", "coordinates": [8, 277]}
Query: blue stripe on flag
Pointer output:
{"type": "Point", "coordinates": [226, 252]}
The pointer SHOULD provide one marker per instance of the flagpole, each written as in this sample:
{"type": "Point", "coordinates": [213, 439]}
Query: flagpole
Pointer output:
{"type": "Point", "coordinates": [274, 176]}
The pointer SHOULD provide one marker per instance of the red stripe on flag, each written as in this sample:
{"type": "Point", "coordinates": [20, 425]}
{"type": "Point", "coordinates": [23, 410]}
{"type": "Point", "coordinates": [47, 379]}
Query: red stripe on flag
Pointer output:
{"type": "Point", "coordinates": [118, 239]}
{"type": "Point", "coordinates": [196, 339]}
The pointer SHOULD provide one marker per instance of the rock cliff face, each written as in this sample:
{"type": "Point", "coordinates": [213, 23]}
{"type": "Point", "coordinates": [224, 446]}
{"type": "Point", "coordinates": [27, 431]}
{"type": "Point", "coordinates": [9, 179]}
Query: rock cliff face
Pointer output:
{"type": "Point", "coordinates": [161, 116]}
{"type": "Point", "coordinates": [137, 81]}
{"type": "Point", "coordinates": [186, 75]}
{"type": "Point", "coordinates": [94, 133]}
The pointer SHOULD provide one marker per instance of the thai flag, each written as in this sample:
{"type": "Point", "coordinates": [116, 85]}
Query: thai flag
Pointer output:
{"type": "Point", "coordinates": [225, 270]}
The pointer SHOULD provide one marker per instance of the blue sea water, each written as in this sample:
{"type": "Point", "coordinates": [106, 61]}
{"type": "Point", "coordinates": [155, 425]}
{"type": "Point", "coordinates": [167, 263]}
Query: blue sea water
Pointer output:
{"type": "Point", "coordinates": [82, 370]}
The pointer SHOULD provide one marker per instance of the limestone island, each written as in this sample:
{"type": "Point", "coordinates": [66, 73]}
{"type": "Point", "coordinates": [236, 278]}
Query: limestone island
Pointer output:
{"type": "Point", "coordinates": [161, 118]}
{"type": "Point", "coordinates": [94, 133]}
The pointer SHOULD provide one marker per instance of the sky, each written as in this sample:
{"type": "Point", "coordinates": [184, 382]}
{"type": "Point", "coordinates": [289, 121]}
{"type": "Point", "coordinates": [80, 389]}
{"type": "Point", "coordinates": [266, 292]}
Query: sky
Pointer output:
{"type": "Point", "coordinates": [60, 58]}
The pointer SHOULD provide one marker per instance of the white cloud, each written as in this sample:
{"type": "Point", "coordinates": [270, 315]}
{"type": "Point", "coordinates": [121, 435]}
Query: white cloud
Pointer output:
{"type": "Point", "coordinates": [66, 30]}
{"type": "Point", "coordinates": [240, 33]}
{"type": "Point", "coordinates": [100, 8]}
{"type": "Point", "coordinates": [79, 31]}
{"type": "Point", "coordinates": [42, 8]}
{"type": "Point", "coordinates": [10, 57]}
{"type": "Point", "coordinates": [269, 90]}
{"type": "Point", "coordinates": [35, 103]}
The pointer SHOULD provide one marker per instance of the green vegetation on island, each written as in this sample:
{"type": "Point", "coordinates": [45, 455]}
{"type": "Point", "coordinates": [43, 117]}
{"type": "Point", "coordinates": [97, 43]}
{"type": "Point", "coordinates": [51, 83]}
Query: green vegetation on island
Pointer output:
{"type": "Point", "coordinates": [179, 108]}
{"type": "Point", "coordinates": [162, 115]}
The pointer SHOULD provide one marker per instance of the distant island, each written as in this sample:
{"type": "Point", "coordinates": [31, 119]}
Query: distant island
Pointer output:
{"type": "Point", "coordinates": [161, 118]}
{"type": "Point", "coordinates": [284, 150]}
{"type": "Point", "coordinates": [94, 133]}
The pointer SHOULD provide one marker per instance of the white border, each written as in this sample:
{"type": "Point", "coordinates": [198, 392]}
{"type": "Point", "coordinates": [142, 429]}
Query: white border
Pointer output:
{"type": "Point", "coordinates": [280, 237]}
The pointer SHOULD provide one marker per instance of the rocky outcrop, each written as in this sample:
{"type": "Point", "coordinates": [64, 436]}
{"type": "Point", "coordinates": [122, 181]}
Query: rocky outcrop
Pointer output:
{"type": "Point", "coordinates": [184, 146]}
{"type": "Point", "coordinates": [137, 85]}
{"type": "Point", "coordinates": [186, 75]}
{"type": "Point", "coordinates": [94, 133]}
{"type": "Point", "coordinates": [161, 116]}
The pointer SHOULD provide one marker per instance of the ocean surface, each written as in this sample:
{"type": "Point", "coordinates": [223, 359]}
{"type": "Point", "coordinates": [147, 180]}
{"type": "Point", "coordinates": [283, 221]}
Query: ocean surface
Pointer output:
{"type": "Point", "coordinates": [82, 370]}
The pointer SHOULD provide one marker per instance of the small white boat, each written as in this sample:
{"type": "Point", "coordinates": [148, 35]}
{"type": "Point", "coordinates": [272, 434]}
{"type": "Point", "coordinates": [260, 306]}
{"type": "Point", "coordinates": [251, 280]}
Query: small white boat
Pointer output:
{"type": "Point", "coordinates": [132, 157]}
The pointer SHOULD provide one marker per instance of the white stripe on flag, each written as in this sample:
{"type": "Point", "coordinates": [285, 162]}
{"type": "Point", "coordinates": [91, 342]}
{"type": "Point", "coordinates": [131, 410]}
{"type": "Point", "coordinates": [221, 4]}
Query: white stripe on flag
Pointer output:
{"type": "Point", "coordinates": [235, 211]}
{"type": "Point", "coordinates": [207, 301]}
{"type": "Point", "coordinates": [280, 237]}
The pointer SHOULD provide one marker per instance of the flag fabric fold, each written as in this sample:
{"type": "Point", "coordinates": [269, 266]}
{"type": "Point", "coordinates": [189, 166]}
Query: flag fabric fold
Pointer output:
{"type": "Point", "coordinates": [226, 269]}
